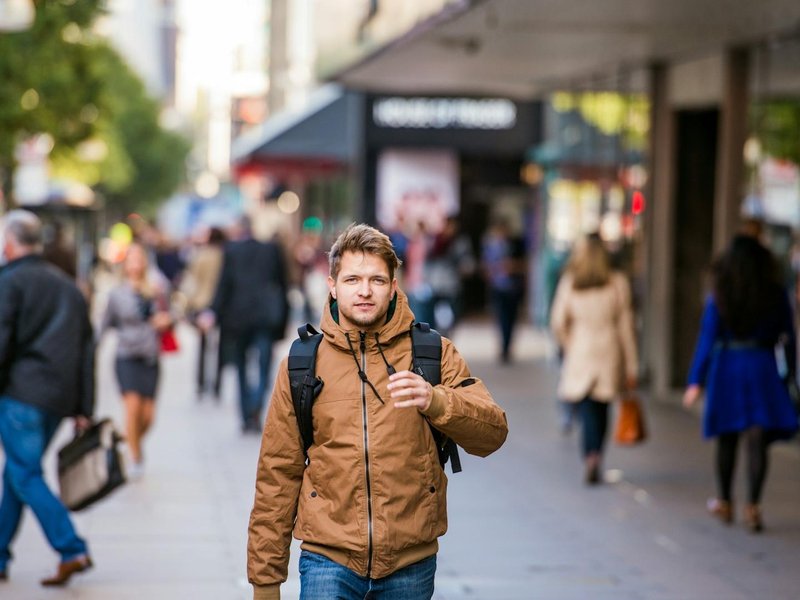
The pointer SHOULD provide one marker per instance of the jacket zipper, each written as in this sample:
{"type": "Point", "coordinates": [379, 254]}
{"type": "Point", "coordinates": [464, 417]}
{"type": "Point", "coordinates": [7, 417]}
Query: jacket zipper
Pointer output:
{"type": "Point", "coordinates": [363, 348]}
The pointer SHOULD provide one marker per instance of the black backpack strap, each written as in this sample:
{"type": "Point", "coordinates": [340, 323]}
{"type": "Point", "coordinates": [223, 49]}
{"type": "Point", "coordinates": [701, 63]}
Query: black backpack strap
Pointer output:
{"type": "Point", "coordinates": [304, 383]}
{"type": "Point", "coordinates": [426, 352]}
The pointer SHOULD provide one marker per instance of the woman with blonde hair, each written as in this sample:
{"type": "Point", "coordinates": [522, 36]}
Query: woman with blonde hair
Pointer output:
{"type": "Point", "coordinates": [592, 321]}
{"type": "Point", "coordinates": [138, 310]}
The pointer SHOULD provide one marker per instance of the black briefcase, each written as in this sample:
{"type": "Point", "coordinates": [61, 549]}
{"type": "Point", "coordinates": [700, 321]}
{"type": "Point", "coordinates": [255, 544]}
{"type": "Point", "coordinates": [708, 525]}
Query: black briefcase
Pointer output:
{"type": "Point", "coordinates": [90, 466]}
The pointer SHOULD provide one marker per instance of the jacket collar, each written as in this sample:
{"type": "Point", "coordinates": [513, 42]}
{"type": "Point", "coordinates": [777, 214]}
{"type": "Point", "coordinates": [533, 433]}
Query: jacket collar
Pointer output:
{"type": "Point", "coordinates": [398, 324]}
{"type": "Point", "coordinates": [21, 261]}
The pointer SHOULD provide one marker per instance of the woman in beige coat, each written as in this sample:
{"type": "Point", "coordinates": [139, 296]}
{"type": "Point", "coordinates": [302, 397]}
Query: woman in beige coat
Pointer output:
{"type": "Point", "coordinates": [592, 321]}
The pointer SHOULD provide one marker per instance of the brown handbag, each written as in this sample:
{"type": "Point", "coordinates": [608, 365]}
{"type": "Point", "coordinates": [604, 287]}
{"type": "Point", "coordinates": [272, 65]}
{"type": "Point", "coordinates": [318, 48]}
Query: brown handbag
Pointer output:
{"type": "Point", "coordinates": [630, 427]}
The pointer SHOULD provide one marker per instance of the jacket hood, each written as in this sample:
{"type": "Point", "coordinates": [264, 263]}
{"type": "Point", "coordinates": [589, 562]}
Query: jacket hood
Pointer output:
{"type": "Point", "coordinates": [399, 322]}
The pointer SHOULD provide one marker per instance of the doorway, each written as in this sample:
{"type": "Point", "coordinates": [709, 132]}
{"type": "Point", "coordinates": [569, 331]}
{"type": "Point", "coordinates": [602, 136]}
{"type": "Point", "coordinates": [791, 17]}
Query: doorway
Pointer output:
{"type": "Point", "coordinates": [695, 170]}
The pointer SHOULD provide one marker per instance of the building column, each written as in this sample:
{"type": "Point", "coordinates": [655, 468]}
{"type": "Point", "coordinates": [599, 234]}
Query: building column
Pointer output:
{"type": "Point", "coordinates": [660, 236]}
{"type": "Point", "coordinates": [733, 129]}
{"type": "Point", "coordinates": [278, 55]}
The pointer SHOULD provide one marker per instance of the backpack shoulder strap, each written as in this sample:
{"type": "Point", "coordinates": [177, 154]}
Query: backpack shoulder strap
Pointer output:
{"type": "Point", "coordinates": [304, 384]}
{"type": "Point", "coordinates": [426, 352]}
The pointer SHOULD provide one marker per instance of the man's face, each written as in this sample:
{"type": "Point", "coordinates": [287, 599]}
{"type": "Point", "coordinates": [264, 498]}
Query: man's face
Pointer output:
{"type": "Point", "coordinates": [363, 290]}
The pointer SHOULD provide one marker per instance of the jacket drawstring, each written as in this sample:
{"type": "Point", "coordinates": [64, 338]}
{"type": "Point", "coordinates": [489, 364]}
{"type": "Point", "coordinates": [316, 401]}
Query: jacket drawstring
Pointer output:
{"type": "Point", "coordinates": [389, 368]}
{"type": "Point", "coordinates": [362, 375]}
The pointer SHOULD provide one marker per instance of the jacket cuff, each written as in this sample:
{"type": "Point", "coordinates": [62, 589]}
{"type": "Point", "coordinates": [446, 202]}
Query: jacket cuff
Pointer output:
{"type": "Point", "coordinates": [267, 592]}
{"type": "Point", "coordinates": [438, 404]}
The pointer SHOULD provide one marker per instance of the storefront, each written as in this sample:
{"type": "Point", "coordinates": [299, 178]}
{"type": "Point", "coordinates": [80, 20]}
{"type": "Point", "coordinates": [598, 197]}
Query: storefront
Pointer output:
{"type": "Point", "coordinates": [721, 142]}
{"type": "Point", "coordinates": [304, 164]}
{"type": "Point", "coordinates": [430, 157]}
{"type": "Point", "coordinates": [401, 162]}
{"type": "Point", "coordinates": [592, 162]}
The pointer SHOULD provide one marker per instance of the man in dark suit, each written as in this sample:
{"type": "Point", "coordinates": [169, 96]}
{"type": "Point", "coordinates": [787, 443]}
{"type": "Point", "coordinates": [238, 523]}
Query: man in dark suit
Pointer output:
{"type": "Point", "coordinates": [251, 307]}
{"type": "Point", "coordinates": [46, 374]}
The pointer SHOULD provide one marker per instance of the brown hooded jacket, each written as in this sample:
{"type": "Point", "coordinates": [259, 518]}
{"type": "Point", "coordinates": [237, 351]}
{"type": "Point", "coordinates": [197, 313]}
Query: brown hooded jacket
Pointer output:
{"type": "Point", "coordinates": [373, 496]}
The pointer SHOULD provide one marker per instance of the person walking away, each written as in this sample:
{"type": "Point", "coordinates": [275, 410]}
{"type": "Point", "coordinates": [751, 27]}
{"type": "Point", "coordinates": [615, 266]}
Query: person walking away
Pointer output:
{"type": "Point", "coordinates": [504, 268]}
{"type": "Point", "coordinates": [250, 304]}
{"type": "Point", "coordinates": [138, 310]}
{"type": "Point", "coordinates": [418, 288]}
{"type": "Point", "coordinates": [58, 252]}
{"type": "Point", "coordinates": [592, 321]}
{"type": "Point", "coordinates": [311, 262]}
{"type": "Point", "coordinates": [198, 286]}
{"type": "Point", "coordinates": [370, 502]}
{"type": "Point", "coordinates": [745, 316]}
{"type": "Point", "coordinates": [46, 374]}
{"type": "Point", "coordinates": [451, 261]}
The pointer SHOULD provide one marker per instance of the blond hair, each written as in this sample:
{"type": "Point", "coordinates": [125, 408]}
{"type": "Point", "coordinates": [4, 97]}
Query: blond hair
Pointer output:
{"type": "Point", "coordinates": [589, 263]}
{"type": "Point", "coordinates": [146, 286]}
{"type": "Point", "coordinates": [363, 238]}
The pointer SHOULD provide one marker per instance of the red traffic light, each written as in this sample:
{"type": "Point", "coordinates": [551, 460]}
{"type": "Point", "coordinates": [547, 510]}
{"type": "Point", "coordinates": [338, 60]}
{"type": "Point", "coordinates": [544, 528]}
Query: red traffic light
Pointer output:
{"type": "Point", "coordinates": [637, 203]}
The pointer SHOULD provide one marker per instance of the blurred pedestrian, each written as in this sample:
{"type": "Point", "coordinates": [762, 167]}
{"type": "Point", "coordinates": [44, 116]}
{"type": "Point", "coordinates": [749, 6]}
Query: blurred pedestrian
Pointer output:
{"type": "Point", "coordinates": [503, 260]}
{"type": "Point", "coordinates": [46, 374]}
{"type": "Point", "coordinates": [418, 288]}
{"type": "Point", "coordinates": [168, 259]}
{"type": "Point", "coordinates": [370, 503]}
{"type": "Point", "coordinates": [251, 306]}
{"type": "Point", "coordinates": [745, 316]}
{"type": "Point", "coordinates": [312, 265]}
{"type": "Point", "coordinates": [198, 285]}
{"type": "Point", "coordinates": [138, 309]}
{"type": "Point", "coordinates": [450, 262]}
{"type": "Point", "coordinates": [58, 252]}
{"type": "Point", "coordinates": [592, 321]}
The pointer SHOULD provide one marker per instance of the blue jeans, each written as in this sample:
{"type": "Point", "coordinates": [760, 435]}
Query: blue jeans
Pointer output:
{"type": "Point", "coordinates": [506, 308]}
{"type": "Point", "coordinates": [251, 399]}
{"type": "Point", "coordinates": [26, 430]}
{"type": "Point", "coordinates": [323, 579]}
{"type": "Point", "coordinates": [595, 423]}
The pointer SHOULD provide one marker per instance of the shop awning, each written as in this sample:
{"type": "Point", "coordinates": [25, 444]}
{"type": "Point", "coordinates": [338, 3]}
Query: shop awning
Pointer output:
{"type": "Point", "coordinates": [324, 132]}
{"type": "Point", "coordinates": [523, 48]}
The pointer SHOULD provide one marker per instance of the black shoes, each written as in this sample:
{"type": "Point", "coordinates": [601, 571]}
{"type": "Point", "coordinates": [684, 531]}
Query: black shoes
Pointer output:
{"type": "Point", "coordinates": [592, 475]}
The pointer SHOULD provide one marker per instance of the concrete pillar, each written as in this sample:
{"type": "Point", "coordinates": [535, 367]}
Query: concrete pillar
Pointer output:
{"type": "Point", "coordinates": [278, 55]}
{"type": "Point", "coordinates": [732, 136]}
{"type": "Point", "coordinates": [660, 236]}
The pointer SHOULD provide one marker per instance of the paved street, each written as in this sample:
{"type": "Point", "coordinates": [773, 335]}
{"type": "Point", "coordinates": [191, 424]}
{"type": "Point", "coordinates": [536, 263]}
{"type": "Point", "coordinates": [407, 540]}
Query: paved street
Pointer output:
{"type": "Point", "coordinates": [522, 525]}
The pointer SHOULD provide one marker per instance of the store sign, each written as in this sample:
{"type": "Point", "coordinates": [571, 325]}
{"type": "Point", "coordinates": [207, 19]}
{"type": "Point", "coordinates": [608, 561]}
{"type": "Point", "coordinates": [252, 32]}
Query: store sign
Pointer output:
{"type": "Point", "coordinates": [444, 113]}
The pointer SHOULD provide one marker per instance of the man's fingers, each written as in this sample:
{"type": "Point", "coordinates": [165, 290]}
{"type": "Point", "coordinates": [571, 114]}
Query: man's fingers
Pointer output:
{"type": "Point", "coordinates": [407, 384]}
{"type": "Point", "coordinates": [403, 377]}
{"type": "Point", "coordinates": [409, 391]}
{"type": "Point", "coordinates": [409, 403]}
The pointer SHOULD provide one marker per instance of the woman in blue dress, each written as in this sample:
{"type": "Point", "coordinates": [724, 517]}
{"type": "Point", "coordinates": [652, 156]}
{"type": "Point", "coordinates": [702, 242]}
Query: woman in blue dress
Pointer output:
{"type": "Point", "coordinates": [746, 316]}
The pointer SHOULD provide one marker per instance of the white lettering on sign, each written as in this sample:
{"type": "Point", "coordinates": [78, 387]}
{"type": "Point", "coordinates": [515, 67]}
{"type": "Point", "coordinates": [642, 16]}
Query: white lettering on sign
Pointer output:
{"type": "Point", "coordinates": [442, 113]}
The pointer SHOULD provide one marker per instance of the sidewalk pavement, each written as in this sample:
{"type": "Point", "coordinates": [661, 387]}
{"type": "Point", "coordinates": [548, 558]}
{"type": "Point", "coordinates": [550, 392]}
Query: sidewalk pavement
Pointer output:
{"type": "Point", "coordinates": [522, 524]}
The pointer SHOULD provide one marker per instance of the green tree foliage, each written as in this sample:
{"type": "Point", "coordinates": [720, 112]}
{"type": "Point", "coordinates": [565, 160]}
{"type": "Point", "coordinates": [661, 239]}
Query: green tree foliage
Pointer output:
{"type": "Point", "coordinates": [778, 126]}
{"type": "Point", "coordinates": [47, 78]}
{"type": "Point", "coordinates": [144, 163]}
{"type": "Point", "coordinates": [59, 78]}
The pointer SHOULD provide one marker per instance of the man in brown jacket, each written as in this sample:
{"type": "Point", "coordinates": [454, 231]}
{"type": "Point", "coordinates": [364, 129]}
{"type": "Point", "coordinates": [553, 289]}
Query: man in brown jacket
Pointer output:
{"type": "Point", "coordinates": [371, 503]}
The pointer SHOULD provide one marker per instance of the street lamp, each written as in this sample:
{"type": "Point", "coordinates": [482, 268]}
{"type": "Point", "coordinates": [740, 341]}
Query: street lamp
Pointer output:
{"type": "Point", "coordinates": [16, 15]}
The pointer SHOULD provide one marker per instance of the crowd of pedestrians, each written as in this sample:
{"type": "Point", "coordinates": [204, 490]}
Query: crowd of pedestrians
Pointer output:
{"type": "Point", "coordinates": [373, 412]}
